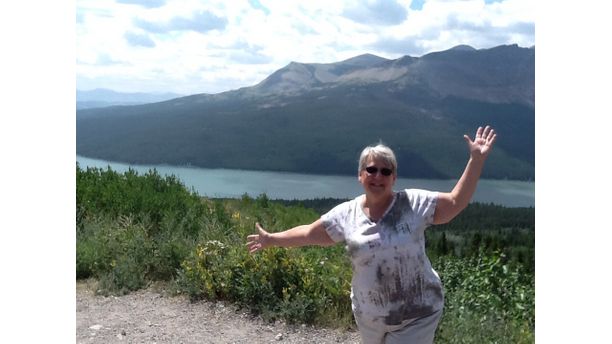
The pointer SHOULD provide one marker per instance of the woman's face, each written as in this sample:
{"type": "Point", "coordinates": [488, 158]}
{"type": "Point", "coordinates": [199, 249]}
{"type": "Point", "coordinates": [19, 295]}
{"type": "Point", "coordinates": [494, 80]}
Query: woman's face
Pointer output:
{"type": "Point", "coordinates": [377, 183]}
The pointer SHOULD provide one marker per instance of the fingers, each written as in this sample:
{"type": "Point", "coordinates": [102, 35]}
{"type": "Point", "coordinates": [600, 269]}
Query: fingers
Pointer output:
{"type": "Point", "coordinates": [254, 248]}
{"type": "Point", "coordinates": [487, 133]}
{"type": "Point", "coordinates": [254, 243]}
{"type": "Point", "coordinates": [492, 139]}
{"type": "Point", "coordinates": [478, 133]}
{"type": "Point", "coordinates": [487, 130]}
{"type": "Point", "coordinates": [484, 139]}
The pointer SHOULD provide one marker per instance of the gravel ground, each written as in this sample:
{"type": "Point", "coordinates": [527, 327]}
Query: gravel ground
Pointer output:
{"type": "Point", "coordinates": [153, 316]}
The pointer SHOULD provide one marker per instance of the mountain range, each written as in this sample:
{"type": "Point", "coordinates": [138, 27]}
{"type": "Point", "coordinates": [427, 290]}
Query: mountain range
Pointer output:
{"type": "Point", "coordinates": [317, 117]}
{"type": "Point", "coordinates": [102, 97]}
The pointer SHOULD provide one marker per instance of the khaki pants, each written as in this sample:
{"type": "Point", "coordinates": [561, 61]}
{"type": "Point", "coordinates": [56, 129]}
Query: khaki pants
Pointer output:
{"type": "Point", "coordinates": [414, 331]}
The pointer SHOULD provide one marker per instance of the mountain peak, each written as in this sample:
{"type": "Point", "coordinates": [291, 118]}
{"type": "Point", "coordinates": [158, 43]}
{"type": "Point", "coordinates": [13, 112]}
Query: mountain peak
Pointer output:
{"type": "Point", "coordinates": [297, 76]}
{"type": "Point", "coordinates": [461, 71]}
{"type": "Point", "coordinates": [364, 60]}
{"type": "Point", "coordinates": [462, 47]}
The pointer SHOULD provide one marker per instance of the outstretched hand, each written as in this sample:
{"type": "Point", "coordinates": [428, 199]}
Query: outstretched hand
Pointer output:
{"type": "Point", "coordinates": [258, 241]}
{"type": "Point", "coordinates": [482, 144]}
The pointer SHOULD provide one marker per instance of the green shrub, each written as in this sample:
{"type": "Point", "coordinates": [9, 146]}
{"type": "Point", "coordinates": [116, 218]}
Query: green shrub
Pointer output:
{"type": "Point", "coordinates": [133, 229]}
{"type": "Point", "coordinates": [277, 283]}
{"type": "Point", "coordinates": [149, 197]}
{"type": "Point", "coordinates": [487, 285]}
{"type": "Point", "coordinates": [127, 274]}
{"type": "Point", "coordinates": [467, 326]}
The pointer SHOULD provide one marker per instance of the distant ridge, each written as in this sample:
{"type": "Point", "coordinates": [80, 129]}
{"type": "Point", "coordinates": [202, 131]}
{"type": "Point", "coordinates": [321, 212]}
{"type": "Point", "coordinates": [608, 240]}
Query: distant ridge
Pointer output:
{"type": "Point", "coordinates": [101, 97]}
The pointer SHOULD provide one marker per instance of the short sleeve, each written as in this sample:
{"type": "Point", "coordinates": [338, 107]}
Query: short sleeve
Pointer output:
{"type": "Point", "coordinates": [423, 204]}
{"type": "Point", "coordinates": [334, 222]}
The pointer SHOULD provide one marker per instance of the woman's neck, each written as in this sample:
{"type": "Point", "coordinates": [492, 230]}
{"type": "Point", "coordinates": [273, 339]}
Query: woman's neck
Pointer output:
{"type": "Point", "coordinates": [375, 207]}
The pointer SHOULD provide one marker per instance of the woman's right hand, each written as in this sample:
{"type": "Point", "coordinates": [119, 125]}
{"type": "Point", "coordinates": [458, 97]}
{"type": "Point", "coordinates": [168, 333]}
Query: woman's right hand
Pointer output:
{"type": "Point", "coordinates": [258, 241]}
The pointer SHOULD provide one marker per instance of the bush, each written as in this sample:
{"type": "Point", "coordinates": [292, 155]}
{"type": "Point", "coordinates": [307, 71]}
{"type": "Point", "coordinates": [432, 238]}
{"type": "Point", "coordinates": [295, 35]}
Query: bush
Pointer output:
{"type": "Point", "coordinates": [133, 229]}
{"type": "Point", "coordinates": [475, 328]}
{"type": "Point", "coordinates": [117, 252]}
{"type": "Point", "coordinates": [278, 283]}
{"type": "Point", "coordinates": [487, 285]}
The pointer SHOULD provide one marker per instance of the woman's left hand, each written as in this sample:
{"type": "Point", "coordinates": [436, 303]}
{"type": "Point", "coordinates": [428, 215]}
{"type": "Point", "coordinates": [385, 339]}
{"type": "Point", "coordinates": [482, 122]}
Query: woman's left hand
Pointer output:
{"type": "Point", "coordinates": [482, 144]}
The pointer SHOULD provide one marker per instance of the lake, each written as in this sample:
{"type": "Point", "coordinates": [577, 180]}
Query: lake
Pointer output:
{"type": "Point", "coordinates": [228, 183]}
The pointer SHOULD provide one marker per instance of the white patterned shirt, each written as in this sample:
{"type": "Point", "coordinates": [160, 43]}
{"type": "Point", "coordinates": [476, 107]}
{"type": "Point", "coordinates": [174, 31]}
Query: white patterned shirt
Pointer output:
{"type": "Point", "coordinates": [393, 280]}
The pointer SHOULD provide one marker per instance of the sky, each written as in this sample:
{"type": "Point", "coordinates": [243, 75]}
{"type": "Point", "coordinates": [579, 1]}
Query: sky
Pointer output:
{"type": "Point", "coordinates": [191, 46]}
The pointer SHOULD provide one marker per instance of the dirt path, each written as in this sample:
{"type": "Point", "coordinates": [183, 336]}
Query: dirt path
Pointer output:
{"type": "Point", "coordinates": [151, 316]}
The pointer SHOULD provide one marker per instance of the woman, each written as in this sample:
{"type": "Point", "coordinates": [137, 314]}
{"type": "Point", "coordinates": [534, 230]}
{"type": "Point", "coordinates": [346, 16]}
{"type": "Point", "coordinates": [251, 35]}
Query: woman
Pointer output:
{"type": "Point", "coordinates": [396, 295]}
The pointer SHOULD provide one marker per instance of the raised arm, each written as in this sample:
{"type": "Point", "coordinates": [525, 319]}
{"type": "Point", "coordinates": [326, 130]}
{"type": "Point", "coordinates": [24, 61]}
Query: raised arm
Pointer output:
{"type": "Point", "coordinates": [312, 234]}
{"type": "Point", "coordinates": [450, 204]}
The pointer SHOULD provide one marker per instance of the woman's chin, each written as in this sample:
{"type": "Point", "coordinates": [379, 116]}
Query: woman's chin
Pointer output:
{"type": "Point", "coordinates": [377, 190]}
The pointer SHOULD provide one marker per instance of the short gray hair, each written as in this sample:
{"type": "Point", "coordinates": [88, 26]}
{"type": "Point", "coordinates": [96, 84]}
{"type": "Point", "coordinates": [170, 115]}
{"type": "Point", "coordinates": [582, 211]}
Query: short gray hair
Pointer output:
{"type": "Point", "coordinates": [379, 151]}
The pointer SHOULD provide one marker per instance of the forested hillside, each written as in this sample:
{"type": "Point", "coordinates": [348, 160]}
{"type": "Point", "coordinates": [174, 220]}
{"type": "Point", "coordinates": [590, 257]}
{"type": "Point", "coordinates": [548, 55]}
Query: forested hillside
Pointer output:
{"type": "Point", "coordinates": [316, 118]}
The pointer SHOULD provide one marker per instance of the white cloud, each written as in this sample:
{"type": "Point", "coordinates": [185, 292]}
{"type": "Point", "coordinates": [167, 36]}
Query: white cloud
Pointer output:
{"type": "Point", "coordinates": [201, 21]}
{"type": "Point", "coordinates": [190, 46]}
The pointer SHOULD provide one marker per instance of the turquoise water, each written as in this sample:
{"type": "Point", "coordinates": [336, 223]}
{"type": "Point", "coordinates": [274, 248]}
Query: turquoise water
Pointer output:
{"type": "Point", "coordinates": [282, 185]}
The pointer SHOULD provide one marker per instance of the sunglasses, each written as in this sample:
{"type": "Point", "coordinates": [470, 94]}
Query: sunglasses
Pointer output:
{"type": "Point", "coordinates": [384, 171]}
